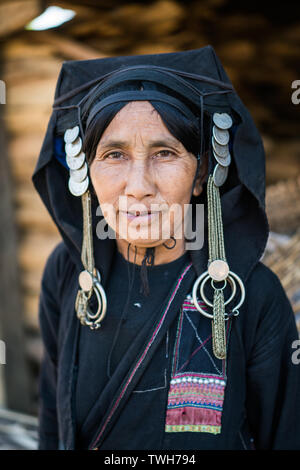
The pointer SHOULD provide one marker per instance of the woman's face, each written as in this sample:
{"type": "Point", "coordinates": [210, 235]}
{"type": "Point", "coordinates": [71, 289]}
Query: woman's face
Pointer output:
{"type": "Point", "coordinates": [140, 167]}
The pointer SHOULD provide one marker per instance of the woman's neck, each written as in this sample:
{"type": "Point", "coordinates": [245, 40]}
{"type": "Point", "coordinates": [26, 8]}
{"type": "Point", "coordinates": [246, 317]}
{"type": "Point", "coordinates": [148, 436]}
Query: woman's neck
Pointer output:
{"type": "Point", "coordinates": [162, 254]}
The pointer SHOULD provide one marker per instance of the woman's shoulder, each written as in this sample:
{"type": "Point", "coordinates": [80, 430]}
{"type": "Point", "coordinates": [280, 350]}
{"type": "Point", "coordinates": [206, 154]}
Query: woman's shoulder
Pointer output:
{"type": "Point", "coordinates": [267, 299]}
{"type": "Point", "coordinates": [57, 268]}
{"type": "Point", "coordinates": [265, 283]}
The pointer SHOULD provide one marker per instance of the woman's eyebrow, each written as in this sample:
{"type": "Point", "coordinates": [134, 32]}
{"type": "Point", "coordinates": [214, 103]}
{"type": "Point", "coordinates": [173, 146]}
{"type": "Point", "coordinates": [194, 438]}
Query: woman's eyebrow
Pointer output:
{"type": "Point", "coordinates": [163, 142]}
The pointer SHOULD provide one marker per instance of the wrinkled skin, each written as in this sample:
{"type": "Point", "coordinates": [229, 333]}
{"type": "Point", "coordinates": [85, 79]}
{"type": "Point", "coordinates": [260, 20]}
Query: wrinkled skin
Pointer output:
{"type": "Point", "coordinates": [128, 164]}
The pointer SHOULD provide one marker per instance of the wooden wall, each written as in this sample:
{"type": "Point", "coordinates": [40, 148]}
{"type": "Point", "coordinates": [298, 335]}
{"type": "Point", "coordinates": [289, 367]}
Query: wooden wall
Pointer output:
{"type": "Point", "coordinates": [30, 74]}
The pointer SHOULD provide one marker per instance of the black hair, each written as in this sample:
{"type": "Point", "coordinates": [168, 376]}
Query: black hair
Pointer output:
{"type": "Point", "coordinates": [183, 129]}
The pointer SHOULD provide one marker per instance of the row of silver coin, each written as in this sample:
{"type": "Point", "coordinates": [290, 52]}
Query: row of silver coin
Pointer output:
{"type": "Point", "coordinates": [220, 146]}
{"type": "Point", "coordinates": [78, 174]}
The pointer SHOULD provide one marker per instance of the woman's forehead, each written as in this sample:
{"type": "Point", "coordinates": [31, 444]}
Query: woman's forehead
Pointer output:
{"type": "Point", "coordinates": [137, 117]}
{"type": "Point", "coordinates": [140, 107]}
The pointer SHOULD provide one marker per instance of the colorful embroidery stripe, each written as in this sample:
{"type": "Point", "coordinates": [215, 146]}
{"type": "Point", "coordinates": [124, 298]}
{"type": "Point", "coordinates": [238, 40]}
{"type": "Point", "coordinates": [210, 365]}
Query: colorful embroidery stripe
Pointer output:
{"type": "Point", "coordinates": [195, 401]}
{"type": "Point", "coordinates": [187, 305]}
{"type": "Point", "coordinates": [194, 428]}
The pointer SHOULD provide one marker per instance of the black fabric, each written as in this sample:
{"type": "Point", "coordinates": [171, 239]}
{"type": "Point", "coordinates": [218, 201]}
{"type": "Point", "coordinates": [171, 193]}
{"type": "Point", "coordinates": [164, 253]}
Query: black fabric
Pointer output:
{"type": "Point", "coordinates": [263, 386]}
{"type": "Point", "coordinates": [128, 309]}
{"type": "Point", "coordinates": [262, 383]}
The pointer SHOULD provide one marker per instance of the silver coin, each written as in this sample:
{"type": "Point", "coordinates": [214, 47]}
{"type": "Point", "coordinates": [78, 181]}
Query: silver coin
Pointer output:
{"type": "Point", "coordinates": [222, 120]}
{"type": "Point", "coordinates": [220, 174]}
{"type": "Point", "coordinates": [73, 148]}
{"type": "Point", "coordinates": [221, 136]}
{"type": "Point", "coordinates": [80, 174]}
{"type": "Point", "coordinates": [78, 189]}
{"type": "Point", "coordinates": [74, 163]}
{"type": "Point", "coordinates": [71, 134]}
{"type": "Point", "coordinates": [223, 161]}
{"type": "Point", "coordinates": [221, 150]}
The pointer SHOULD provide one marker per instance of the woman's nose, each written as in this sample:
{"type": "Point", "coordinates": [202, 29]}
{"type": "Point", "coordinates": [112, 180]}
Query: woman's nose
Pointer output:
{"type": "Point", "coordinates": [139, 182]}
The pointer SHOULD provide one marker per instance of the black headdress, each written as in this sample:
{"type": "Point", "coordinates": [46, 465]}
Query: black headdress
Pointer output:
{"type": "Point", "coordinates": [197, 85]}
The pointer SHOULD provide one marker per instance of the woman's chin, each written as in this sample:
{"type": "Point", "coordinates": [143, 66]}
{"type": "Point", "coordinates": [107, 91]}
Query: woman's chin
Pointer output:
{"type": "Point", "coordinates": [140, 242]}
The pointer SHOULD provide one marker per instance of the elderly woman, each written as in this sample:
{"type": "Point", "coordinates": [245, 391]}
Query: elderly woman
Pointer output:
{"type": "Point", "coordinates": [162, 328]}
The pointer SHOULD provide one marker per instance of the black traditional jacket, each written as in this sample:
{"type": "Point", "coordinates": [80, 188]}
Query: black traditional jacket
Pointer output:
{"type": "Point", "coordinates": [169, 391]}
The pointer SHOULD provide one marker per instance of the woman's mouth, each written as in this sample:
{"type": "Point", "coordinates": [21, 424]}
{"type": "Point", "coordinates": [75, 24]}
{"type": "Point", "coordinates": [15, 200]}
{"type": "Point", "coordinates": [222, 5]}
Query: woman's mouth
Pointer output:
{"type": "Point", "coordinates": [140, 216]}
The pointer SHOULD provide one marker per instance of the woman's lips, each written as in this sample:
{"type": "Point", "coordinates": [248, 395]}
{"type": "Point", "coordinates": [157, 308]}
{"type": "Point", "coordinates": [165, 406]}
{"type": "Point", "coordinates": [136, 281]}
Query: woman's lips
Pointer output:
{"type": "Point", "coordinates": [140, 217]}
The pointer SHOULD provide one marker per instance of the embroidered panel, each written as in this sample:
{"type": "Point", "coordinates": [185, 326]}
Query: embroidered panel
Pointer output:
{"type": "Point", "coordinates": [195, 403]}
{"type": "Point", "coordinates": [198, 380]}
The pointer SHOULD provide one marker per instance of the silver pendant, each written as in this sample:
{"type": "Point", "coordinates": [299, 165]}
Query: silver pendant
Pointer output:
{"type": "Point", "coordinates": [220, 174]}
{"type": "Point", "coordinates": [73, 148]}
{"type": "Point", "coordinates": [203, 278]}
{"type": "Point", "coordinates": [71, 134]}
{"type": "Point", "coordinates": [78, 189]}
{"type": "Point", "coordinates": [90, 284]}
{"type": "Point", "coordinates": [222, 120]}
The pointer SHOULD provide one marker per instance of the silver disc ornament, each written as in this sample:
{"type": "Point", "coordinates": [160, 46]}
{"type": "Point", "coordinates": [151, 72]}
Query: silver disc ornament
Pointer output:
{"type": "Point", "coordinates": [222, 120]}
{"type": "Point", "coordinates": [80, 174]}
{"type": "Point", "coordinates": [223, 161]}
{"type": "Point", "coordinates": [71, 134]}
{"type": "Point", "coordinates": [221, 150]}
{"type": "Point", "coordinates": [73, 148]}
{"type": "Point", "coordinates": [74, 163]}
{"type": "Point", "coordinates": [221, 136]}
{"type": "Point", "coordinates": [220, 174]}
{"type": "Point", "coordinates": [78, 189]}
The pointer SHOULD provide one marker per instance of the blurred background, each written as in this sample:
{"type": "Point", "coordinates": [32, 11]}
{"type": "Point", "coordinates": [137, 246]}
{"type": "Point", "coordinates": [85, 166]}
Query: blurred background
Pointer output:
{"type": "Point", "coordinates": [259, 46]}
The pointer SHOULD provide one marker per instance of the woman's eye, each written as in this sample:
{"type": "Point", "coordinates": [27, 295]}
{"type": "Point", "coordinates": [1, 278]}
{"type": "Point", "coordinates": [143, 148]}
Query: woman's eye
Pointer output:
{"type": "Point", "coordinates": [113, 155]}
{"type": "Point", "coordinates": [165, 153]}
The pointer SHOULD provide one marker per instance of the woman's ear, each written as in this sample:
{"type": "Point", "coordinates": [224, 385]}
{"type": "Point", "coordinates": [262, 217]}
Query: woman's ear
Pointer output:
{"type": "Point", "coordinates": [202, 173]}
